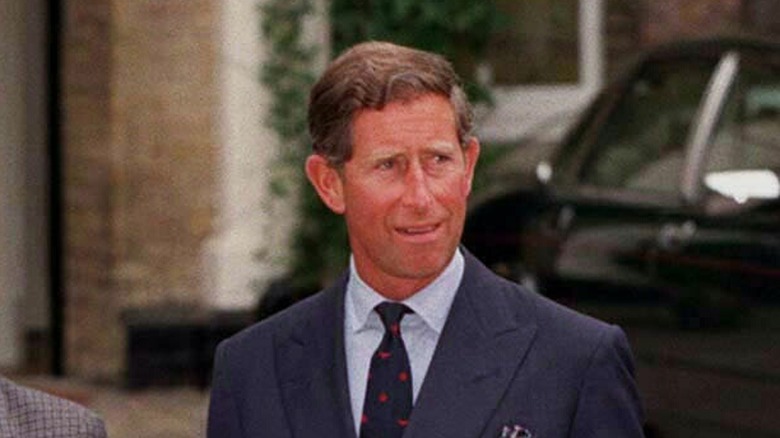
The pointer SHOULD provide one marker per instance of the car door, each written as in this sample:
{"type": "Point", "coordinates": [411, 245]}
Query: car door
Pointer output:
{"type": "Point", "coordinates": [619, 181]}
{"type": "Point", "coordinates": [718, 259]}
{"type": "Point", "coordinates": [724, 257]}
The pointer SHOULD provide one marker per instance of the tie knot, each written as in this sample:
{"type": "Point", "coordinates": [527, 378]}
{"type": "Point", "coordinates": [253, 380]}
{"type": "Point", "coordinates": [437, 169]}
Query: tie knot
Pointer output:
{"type": "Point", "coordinates": [391, 313]}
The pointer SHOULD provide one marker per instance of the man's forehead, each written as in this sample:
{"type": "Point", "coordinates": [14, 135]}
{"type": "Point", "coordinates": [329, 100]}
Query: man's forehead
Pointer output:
{"type": "Point", "coordinates": [379, 149]}
{"type": "Point", "coordinates": [405, 102]}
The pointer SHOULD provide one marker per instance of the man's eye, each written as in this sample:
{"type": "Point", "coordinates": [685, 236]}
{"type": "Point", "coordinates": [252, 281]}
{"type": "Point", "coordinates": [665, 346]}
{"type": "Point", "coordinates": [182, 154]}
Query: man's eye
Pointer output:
{"type": "Point", "coordinates": [386, 164]}
{"type": "Point", "coordinates": [441, 158]}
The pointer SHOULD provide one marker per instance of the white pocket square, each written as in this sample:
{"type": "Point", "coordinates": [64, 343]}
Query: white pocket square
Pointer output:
{"type": "Point", "coordinates": [515, 431]}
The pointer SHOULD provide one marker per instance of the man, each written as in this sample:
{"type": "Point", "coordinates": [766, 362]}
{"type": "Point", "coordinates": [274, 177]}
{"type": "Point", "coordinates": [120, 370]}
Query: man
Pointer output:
{"type": "Point", "coordinates": [471, 354]}
{"type": "Point", "coordinates": [28, 413]}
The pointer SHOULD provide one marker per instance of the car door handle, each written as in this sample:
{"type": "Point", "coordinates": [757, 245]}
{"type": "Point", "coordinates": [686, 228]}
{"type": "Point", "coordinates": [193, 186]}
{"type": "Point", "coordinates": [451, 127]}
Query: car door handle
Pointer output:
{"type": "Point", "coordinates": [565, 218]}
{"type": "Point", "coordinates": [676, 236]}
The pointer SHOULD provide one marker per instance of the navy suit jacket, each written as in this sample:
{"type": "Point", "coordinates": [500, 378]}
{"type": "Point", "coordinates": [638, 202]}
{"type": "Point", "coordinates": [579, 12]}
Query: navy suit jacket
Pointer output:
{"type": "Point", "coordinates": [506, 357]}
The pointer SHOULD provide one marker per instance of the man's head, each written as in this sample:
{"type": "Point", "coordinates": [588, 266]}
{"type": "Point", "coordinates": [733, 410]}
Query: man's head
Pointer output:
{"type": "Point", "coordinates": [369, 76]}
{"type": "Point", "coordinates": [393, 153]}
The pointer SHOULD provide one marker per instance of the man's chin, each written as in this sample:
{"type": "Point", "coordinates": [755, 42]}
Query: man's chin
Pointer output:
{"type": "Point", "coordinates": [421, 267]}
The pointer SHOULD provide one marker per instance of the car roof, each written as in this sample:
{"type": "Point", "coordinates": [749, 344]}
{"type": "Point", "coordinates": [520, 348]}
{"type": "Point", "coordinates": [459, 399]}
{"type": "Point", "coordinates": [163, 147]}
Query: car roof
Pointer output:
{"type": "Point", "coordinates": [712, 47]}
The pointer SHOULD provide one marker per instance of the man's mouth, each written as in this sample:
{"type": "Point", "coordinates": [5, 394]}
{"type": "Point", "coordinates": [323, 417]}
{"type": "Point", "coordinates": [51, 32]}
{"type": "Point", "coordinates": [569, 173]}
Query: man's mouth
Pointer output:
{"type": "Point", "coordinates": [419, 230]}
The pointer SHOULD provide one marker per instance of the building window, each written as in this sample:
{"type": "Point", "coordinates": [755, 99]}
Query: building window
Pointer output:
{"type": "Point", "coordinates": [537, 43]}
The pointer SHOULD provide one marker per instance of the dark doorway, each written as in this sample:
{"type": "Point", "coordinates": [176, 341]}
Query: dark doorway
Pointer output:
{"type": "Point", "coordinates": [55, 231]}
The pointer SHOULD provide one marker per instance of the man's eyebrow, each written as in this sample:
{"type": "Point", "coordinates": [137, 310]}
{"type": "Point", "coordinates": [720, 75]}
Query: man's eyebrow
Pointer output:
{"type": "Point", "coordinates": [389, 151]}
{"type": "Point", "coordinates": [383, 153]}
{"type": "Point", "coordinates": [441, 145]}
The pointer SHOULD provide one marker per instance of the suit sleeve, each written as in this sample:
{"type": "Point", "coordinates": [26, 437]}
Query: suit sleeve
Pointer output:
{"type": "Point", "coordinates": [223, 417]}
{"type": "Point", "coordinates": [609, 403]}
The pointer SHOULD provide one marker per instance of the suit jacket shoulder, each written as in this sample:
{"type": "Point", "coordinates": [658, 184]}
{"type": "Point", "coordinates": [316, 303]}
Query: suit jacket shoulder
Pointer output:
{"type": "Point", "coordinates": [29, 413]}
{"type": "Point", "coordinates": [254, 347]}
{"type": "Point", "coordinates": [286, 375]}
{"type": "Point", "coordinates": [557, 372]}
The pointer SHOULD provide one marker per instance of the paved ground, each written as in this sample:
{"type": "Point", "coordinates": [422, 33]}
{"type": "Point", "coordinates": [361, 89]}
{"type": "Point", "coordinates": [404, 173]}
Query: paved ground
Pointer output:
{"type": "Point", "coordinates": [157, 413]}
{"type": "Point", "coordinates": [173, 413]}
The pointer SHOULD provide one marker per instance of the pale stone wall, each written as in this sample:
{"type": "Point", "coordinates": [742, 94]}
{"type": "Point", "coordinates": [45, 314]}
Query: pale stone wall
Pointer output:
{"type": "Point", "coordinates": [35, 303]}
{"type": "Point", "coordinates": [24, 274]}
{"type": "Point", "coordinates": [12, 110]}
{"type": "Point", "coordinates": [248, 220]}
{"type": "Point", "coordinates": [250, 245]}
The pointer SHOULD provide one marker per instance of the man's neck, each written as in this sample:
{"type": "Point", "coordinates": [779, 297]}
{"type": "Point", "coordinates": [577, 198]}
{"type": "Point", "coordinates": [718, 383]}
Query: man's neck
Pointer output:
{"type": "Point", "coordinates": [398, 288]}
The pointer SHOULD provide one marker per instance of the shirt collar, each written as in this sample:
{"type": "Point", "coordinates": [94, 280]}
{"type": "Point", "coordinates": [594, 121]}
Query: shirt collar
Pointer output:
{"type": "Point", "coordinates": [431, 303]}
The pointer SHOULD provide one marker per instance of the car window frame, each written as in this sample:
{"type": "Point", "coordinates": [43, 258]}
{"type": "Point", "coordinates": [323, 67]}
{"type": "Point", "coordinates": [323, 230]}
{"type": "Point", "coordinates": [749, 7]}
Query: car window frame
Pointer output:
{"type": "Point", "coordinates": [704, 126]}
{"type": "Point", "coordinates": [568, 184]}
{"type": "Point", "coordinates": [713, 203]}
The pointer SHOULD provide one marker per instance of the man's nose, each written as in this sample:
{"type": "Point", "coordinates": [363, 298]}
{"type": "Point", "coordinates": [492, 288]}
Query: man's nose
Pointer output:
{"type": "Point", "coordinates": [417, 192]}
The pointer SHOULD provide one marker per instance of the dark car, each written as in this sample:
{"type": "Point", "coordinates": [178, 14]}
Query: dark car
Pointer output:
{"type": "Point", "coordinates": [660, 210]}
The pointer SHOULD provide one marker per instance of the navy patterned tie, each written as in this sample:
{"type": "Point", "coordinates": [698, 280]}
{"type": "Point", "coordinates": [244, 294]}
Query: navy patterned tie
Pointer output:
{"type": "Point", "coordinates": [389, 388]}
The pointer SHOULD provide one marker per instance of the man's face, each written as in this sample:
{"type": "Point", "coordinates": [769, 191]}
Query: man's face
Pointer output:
{"type": "Point", "coordinates": [403, 193]}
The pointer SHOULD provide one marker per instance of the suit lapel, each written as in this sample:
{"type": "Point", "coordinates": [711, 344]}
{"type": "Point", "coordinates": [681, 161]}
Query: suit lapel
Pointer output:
{"type": "Point", "coordinates": [312, 370]}
{"type": "Point", "coordinates": [481, 347]}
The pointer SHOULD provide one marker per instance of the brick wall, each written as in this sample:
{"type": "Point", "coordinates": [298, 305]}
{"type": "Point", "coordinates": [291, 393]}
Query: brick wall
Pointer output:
{"type": "Point", "coordinates": [666, 20]}
{"type": "Point", "coordinates": [139, 166]}
{"type": "Point", "coordinates": [90, 302]}
{"type": "Point", "coordinates": [165, 156]}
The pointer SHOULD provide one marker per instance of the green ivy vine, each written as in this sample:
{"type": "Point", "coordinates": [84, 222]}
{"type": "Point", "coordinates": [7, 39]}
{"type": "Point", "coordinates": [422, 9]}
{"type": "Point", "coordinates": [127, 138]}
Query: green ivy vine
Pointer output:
{"type": "Point", "coordinates": [288, 74]}
{"type": "Point", "coordinates": [319, 244]}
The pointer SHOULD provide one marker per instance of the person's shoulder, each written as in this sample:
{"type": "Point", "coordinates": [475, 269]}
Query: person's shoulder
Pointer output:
{"type": "Point", "coordinates": [556, 315]}
{"type": "Point", "coordinates": [547, 312]}
{"type": "Point", "coordinates": [286, 319]}
{"type": "Point", "coordinates": [562, 332]}
{"type": "Point", "coordinates": [303, 314]}
{"type": "Point", "coordinates": [30, 412]}
{"type": "Point", "coordinates": [554, 321]}
{"type": "Point", "coordinates": [253, 350]}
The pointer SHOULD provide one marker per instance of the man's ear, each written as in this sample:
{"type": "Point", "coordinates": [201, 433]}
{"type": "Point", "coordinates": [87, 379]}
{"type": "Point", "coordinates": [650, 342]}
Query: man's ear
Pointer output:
{"type": "Point", "coordinates": [471, 154]}
{"type": "Point", "coordinates": [326, 181]}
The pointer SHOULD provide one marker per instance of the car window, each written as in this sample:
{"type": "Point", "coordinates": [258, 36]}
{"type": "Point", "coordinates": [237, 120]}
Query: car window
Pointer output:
{"type": "Point", "coordinates": [744, 161]}
{"type": "Point", "coordinates": [641, 144]}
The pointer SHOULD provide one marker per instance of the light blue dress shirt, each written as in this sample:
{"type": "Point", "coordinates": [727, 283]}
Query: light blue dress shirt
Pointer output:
{"type": "Point", "coordinates": [363, 330]}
